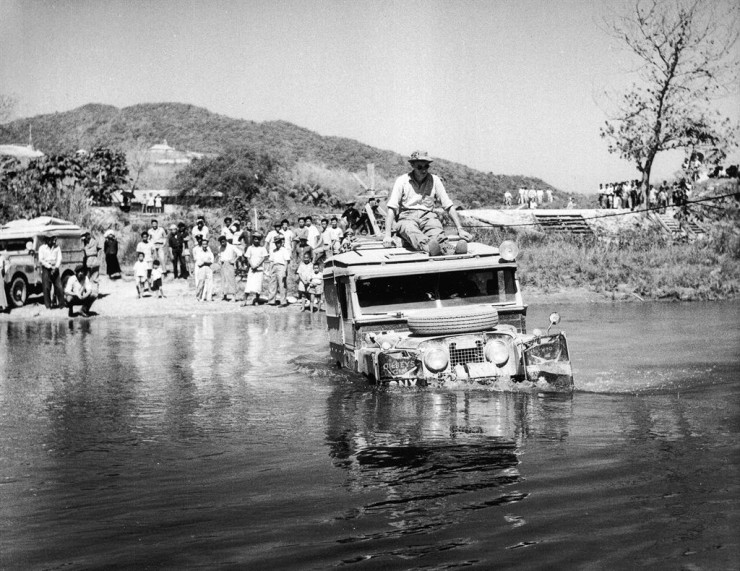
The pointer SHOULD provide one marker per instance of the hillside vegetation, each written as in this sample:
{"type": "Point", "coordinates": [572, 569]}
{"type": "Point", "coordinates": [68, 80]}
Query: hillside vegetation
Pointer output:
{"type": "Point", "coordinates": [191, 128]}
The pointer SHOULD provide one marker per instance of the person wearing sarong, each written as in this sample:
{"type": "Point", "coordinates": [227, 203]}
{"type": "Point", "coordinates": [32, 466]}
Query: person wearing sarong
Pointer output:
{"type": "Point", "coordinates": [110, 249]}
{"type": "Point", "coordinates": [255, 256]}
{"type": "Point", "coordinates": [203, 272]}
{"type": "Point", "coordinates": [227, 257]}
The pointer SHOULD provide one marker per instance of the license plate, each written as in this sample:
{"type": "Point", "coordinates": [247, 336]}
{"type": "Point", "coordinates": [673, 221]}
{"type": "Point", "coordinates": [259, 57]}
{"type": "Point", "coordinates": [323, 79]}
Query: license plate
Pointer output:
{"type": "Point", "coordinates": [391, 366]}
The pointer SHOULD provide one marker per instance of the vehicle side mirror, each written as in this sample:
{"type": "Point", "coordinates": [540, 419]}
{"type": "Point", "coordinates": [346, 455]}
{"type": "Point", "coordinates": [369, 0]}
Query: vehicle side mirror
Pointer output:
{"type": "Point", "coordinates": [554, 319]}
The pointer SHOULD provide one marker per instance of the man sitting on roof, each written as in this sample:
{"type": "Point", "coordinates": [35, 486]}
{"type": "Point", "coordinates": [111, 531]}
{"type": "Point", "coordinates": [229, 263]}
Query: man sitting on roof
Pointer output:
{"type": "Point", "coordinates": [411, 206]}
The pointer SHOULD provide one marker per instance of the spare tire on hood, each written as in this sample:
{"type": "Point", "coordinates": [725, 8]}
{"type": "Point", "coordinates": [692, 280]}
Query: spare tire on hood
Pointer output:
{"type": "Point", "coordinates": [444, 320]}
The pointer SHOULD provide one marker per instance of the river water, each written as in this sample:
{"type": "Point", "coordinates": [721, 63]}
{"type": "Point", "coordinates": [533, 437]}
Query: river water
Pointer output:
{"type": "Point", "coordinates": [227, 441]}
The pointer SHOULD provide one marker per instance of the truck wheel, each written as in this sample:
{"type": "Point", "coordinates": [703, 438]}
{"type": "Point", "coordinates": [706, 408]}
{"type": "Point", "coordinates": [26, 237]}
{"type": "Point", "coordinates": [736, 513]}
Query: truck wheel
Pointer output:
{"type": "Point", "coordinates": [18, 291]}
{"type": "Point", "coordinates": [453, 320]}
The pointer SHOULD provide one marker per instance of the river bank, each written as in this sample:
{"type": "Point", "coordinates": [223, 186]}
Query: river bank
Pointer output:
{"type": "Point", "coordinates": [118, 299]}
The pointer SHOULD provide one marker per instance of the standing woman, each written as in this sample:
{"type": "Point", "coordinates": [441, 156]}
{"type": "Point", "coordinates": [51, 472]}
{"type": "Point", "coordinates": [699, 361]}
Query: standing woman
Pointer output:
{"type": "Point", "coordinates": [3, 298]}
{"type": "Point", "coordinates": [203, 272]}
{"type": "Point", "coordinates": [110, 248]}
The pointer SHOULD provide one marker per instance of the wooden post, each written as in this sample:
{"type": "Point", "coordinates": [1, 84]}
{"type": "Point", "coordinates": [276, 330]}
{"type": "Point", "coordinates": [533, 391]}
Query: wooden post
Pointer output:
{"type": "Point", "coordinates": [371, 175]}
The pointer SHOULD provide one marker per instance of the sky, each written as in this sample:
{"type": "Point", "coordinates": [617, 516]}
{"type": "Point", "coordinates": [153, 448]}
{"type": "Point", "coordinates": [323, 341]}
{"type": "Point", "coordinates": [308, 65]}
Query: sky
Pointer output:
{"type": "Point", "coordinates": [510, 87]}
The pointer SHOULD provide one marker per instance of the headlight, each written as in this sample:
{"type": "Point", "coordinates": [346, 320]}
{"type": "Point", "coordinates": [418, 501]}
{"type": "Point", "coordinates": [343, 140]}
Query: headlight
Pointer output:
{"type": "Point", "coordinates": [508, 250]}
{"type": "Point", "coordinates": [497, 352]}
{"type": "Point", "coordinates": [436, 360]}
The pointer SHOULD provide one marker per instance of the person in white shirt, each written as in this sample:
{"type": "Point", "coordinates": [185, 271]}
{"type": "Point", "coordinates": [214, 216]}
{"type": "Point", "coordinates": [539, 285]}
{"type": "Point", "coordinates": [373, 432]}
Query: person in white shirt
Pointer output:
{"type": "Point", "coordinates": [411, 207]}
{"type": "Point", "coordinates": [313, 234]}
{"type": "Point", "coordinates": [145, 247]}
{"type": "Point", "coordinates": [288, 234]}
{"type": "Point", "coordinates": [141, 274]}
{"type": "Point", "coordinates": [50, 258]}
{"type": "Point", "coordinates": [78, 291]}
{"type": "Point", "coordinates": [280, 258]}
{"type": "Point", "coordinates": [333, 237]}
{"type": "Point", "coordinates": [199, 230]}
{"type": "Point", "coordinates": [236, 233]}
{"type": "Point", "coordinates": [507, 198]}
{"type": "Point", "coordinates": [255, 256]}
{"type": "Point", "coordinates": [157, 279]}
{"type": "Point", "coordinates": [203, 272]}
{"type": "Point", "coordinates": [271, 235]}
{"type": "Point", "coordinates": [226, 230]}
{"type": "Point", "coordinates": [158, 239]}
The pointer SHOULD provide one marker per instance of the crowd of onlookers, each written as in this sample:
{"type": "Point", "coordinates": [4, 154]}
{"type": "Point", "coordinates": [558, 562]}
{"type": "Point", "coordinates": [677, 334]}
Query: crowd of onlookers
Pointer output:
{"type": "Point", "coordinates": [628, 194]}
{"type": "Point", "coordinates": [254, 267]}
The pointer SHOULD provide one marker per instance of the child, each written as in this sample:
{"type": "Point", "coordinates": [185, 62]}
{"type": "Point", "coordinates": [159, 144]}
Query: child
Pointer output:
{"type": "Point", "coordinates": [157, 278]}
{"type": "Point", "coordinates": [141, 272]}
{"type": "Point", "coordinates": [305, 273]}
{"type": "Point", "coordinates": [316, 288]}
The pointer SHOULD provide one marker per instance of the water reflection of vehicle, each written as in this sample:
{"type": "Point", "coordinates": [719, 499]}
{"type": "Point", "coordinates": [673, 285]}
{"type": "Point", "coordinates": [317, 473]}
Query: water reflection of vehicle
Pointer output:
{"type": "Point", "coordinates": [400, 316]}
{"type": "Point", "coordinates": [436, 455]}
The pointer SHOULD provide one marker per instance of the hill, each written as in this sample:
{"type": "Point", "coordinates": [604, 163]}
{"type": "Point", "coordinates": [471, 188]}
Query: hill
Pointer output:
{"type": "Point", "coordinates": [191, 128]}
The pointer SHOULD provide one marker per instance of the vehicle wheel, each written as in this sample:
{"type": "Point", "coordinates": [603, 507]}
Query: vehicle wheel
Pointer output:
{"type": "Point", "coordinates": [453, 320]}
{"type": "Point", "coordinates": [18, 291]}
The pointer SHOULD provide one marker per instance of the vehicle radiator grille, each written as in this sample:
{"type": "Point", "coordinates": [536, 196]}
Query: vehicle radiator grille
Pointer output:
{"type": "Point", "coordinates": [469, 355]}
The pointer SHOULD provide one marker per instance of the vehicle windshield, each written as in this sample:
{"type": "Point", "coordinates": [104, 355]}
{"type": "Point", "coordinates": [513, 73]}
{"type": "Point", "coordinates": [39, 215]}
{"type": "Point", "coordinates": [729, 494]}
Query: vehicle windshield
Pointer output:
{"type": "Point", "coordinates": [446, 289]}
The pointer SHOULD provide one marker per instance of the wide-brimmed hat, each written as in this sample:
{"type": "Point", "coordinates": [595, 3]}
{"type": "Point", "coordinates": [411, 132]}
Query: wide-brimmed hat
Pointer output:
{"type": "Point", "coordinates": [222, 238]}
{"type": "Point", "coordinates": [85, 233]}
{"type": "Point", "coordinates": [108, 233]}
{"type": "Point", "coordinates": [279, 238]}
{"type": "Point", "coordinates": [420, 156]}
{"type": "Point", "coordinates": [173, 226]}
{"type": "Point", "coordinates": [257, 235]}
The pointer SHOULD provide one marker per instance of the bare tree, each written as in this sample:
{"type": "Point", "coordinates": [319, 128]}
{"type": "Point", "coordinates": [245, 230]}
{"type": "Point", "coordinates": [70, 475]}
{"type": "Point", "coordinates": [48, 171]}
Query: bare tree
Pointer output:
{"type": "Point", "coordinates": [7, 107]}
{"type": "Point", "coordinates": [686, 57]}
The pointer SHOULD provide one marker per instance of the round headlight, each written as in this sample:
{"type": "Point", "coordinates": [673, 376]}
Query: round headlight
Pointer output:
{"type": "Point", "coordinates": [497, 352]}
{"type": "Point", "coordinates": [436, 360]}
{"type": "Point", "coordinates": [537, 332]}
{"type": "Point", "coordinates": [508, 250]}
{"type": "Point", "coordinates": [385, 346]}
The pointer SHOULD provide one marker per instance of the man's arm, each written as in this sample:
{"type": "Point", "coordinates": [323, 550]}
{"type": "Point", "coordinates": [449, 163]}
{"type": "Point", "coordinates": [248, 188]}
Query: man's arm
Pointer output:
{"type": "Point", "coordinates": [465, 235]}
{"type": "Point", "coordinates": [390, 219]}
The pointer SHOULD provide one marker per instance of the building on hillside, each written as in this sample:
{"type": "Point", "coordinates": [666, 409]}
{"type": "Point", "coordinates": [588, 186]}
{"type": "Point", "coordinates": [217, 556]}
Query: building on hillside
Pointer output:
{"type": "Point", "coordinates": [163, 154]}
{"type": "Point", "coordinates": [144, 200]}
{"type": "Point", "coordinates": [24, 154]}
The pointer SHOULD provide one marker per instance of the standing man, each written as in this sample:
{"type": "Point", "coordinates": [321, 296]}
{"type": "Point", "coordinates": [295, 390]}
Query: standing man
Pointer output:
{"type": "Point", "coordinates": [158, 239]}
{"type": "Point", "coordinates": [288, 234]}
{"type": "Point", "coordinates": [174, 241]}
{"type": "Point", "coordinates": [50, 258]}
{"type": "Point", "coordinates": [91, 259]}
{"type": "Point", "coordinates": [411, 205]}
{"type": "Point", "coordinates": [280, 258]}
